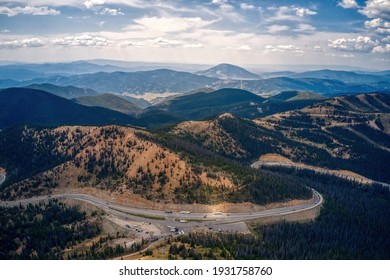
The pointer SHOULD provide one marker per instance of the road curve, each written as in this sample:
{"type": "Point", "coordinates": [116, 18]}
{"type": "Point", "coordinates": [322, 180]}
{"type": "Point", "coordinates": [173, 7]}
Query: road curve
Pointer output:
{"type": "Point", "coordinates": [2, 178]}
{"type": "Point", "coordinates": [164, 218]}
{"type": "Point", "coordinates": [319, 170]}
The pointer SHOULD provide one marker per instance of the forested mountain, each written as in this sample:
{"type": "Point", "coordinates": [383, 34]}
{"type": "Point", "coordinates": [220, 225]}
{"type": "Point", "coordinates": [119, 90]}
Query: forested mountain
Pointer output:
{"type": "Point", "coordinates": [350, 133]}
{"type": "Point", "coordinates": [351, 225]}
{"type": "Point", "coordinates": [109, 101]}
{"type": "Point", "coordinates": [67, 92]}
{"type": "Point", "coordinates": [226, 71]}
{"type": "Point", "coordinates": [42, 232]}
{"type": "Point", "coordinates": [130, 162]}
{"type": "Point", "coordinates": [201, 105]}
{"type": "Point", "coordinates": [23, 105]}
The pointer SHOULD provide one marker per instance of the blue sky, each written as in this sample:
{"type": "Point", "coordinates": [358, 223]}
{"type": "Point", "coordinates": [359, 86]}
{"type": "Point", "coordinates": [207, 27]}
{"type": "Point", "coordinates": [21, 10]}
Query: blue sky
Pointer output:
{"type": "Point", "coordinates": [262, 32]}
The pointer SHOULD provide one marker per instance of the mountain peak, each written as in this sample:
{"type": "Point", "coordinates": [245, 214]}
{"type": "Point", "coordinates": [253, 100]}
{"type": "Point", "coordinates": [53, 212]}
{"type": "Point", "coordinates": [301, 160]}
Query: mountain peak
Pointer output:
{"type": "Point", "coordinates": [227, 71]}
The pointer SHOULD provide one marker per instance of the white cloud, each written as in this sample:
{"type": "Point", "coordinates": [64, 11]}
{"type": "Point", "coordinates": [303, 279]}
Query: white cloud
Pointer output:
{"type": "Point", "coordinates": [111, 12]}
{"type": "Point", "coordinates": [382, 26]}
{"type": "Point", "coordinates": [377, 22]}
{"type": "Point", "coordinates": [82, 41]}
{"type": "Point", "coordinates": [226, 11]}
{"type": "Point", "coordinates": [245, 48]}
{"type": "Point", "coordinates": [277, 28]}
{"type": "Point", "coordinates": [301, 12]}
{"type": "Point", "coordinates": [289, 13]}
{"type": "Point", "coordinates": [219, 2]}
{"type": "Point", "coordinates": [344, 55]}
{"type": "Point", "coordinates": [382, 49]}
{"type": "Point", "coordinates": [318, 49]}
{"type": "Point", "coordinates": [304, 27]}
{"type": "Point", "coordinates": [92, 3]}
{"type": "Point", "coordinates": [162, 42]}
{"type": "Point", "coordinates": [386, 39]}
{"type": "Point", "coordinates": [125, 44]}
{"type": "Point", "coordinates": [24, 43]}
{"type": "Point", "coordinates": [348, 4]}
{"type": "Point", "coordinates": [283, 49]}
{"type": "Point", "coordinates": [193, 46]}
{"type": "Point", "coordinates": [359, 44]}
{"type": "Point", "coordinates": [159, 42]}
{"type": "Point", "coordinates": [247, 7]}
{"type": "Point", "coordinates": [168, 24]}
{"type": "Point", "coordinates": [376, 9]}
{"type": "Point", "coordinates": [29, 10]}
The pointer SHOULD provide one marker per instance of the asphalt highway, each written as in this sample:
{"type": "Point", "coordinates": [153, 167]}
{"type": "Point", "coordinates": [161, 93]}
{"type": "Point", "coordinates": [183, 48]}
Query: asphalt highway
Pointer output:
{"type": "Point", "coordinates": [227, 222]}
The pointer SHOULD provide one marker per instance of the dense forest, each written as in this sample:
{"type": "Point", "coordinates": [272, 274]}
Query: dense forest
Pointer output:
{"type": "Point", "coordinates": [42, 231]}
{"type": "Point", "coordinates": [107, 167]}
{"type": "Point", "coordinates": [24, 156]}
{"type": "Point", "coordinates": [259, 186]}
{"type": "Point", "coordinates": [353, 224]}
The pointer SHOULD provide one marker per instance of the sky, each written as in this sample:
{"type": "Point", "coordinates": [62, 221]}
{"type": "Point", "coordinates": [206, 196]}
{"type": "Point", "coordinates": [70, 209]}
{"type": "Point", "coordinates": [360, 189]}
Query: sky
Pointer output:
{"type": "Point", "coordinates": [261, 32]}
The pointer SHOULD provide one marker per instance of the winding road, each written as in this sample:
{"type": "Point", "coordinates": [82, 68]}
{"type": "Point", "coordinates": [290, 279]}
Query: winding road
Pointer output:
{"type": "Point", "coordinates": [319, 170]}
{"type": "Point", "coordinates": [227, 222]}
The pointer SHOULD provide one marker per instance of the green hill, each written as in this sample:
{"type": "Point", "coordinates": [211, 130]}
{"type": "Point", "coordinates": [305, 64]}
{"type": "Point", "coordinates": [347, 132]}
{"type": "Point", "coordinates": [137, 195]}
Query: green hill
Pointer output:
{"type": "Point", "coordinates": [109, 101]}
{"type": "Point", "coordinates": [345, 133]}
{"type": "Point", "coordinates": [67, 92]}
{"type": "Point", "coordinates": [22, 105]}
{"type": "Point", "coordinates": [202, 105]}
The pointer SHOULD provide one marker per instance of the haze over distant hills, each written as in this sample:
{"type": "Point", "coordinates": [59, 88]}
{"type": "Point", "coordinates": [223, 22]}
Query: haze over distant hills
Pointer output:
{"type": "Point", "coordinates": [67, 92]}
{"type": "Point", "coordinates": [328, 82]}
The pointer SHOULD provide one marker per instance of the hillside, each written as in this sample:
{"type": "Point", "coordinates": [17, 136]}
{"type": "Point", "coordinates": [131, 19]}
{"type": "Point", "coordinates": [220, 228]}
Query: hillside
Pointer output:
{"type": "Point", "coordinates": [131, 165]}
{"type": "Point", "coordinates": [201, 105]}
{"type": "Point", "coordinates": [349, 133]}
{"type": "Point", "coordinates": [67, 92]}
{"type": "Point", "coordinates": [156, 81]}
{"type": "Point", "coordinates": [109, 101]}
{"type": "Point", "coordinates": [22, 105]}
{"type": "Point", "coordinates": [296, 95]}
{"type": "Point", "coordinates": [226, 71]}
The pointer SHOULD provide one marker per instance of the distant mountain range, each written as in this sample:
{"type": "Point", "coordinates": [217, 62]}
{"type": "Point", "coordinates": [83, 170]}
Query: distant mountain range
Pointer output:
{"type": "Point", "coordinates": [67, 92]}
{"type": "Point", "coordinates": [327, 82]}
{"type": "Point", "coordinates": [22, 72]}
{"type": "Point", "coordinates": [344, 76]}
{"type": "Point", "coordinates": [229, 72]}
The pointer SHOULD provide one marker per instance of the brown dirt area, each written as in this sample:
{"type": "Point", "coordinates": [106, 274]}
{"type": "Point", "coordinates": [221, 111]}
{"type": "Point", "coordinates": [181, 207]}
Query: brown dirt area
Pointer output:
{"type": "Point", "coordinates": [274, 157]}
